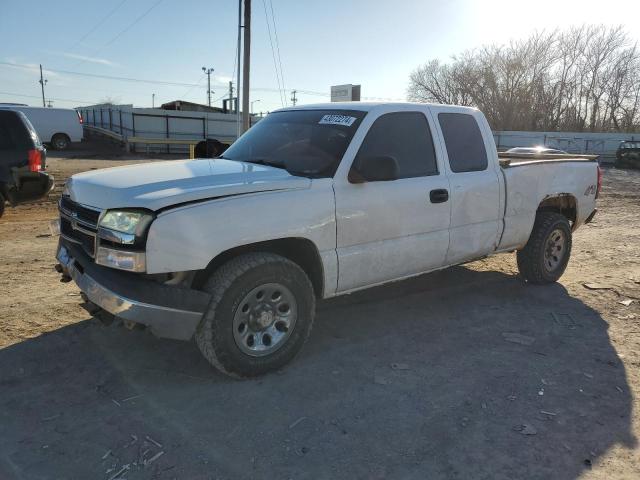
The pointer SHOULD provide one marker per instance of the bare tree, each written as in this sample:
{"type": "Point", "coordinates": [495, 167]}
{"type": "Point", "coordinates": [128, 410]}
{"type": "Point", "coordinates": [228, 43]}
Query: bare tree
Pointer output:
{"type": "Point", "coordinates": [582, 78]}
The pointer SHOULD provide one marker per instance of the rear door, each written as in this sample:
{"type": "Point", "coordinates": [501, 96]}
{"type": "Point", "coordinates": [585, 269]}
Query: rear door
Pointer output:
{"type": "Point", "coordinates": [476, 185]}
{"type": "Point", "coordinates": [392, 229]}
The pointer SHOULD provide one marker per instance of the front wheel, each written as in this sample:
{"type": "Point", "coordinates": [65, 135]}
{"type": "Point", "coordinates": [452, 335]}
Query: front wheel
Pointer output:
{"type": "Point", "coordinates": [260, 315]}
{"type": "Point", "coordinates": [545, 256]}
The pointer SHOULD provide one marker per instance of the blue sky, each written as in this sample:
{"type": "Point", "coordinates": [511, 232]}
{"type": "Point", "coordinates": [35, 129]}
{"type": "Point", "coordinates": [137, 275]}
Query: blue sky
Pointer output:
{"type": "Point", "coordinates": [374, 43]}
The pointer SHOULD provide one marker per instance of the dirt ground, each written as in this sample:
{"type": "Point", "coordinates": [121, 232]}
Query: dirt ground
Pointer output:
{"type": "Point", "coordinates": [421, 379]}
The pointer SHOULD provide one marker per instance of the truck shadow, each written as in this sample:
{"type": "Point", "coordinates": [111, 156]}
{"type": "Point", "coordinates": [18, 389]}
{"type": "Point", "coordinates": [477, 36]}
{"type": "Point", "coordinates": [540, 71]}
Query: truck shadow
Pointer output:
{"type": "Point", "coordinates": [457, 374]}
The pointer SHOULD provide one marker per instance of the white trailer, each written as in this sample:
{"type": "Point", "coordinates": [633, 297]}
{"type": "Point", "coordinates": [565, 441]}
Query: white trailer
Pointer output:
{"type": "Point", "coordinates": [158, 130]}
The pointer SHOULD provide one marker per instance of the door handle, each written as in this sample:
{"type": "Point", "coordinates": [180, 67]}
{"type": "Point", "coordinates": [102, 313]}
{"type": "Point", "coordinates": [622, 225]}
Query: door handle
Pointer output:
{"type": "Point", "coordinates": [439, 195]}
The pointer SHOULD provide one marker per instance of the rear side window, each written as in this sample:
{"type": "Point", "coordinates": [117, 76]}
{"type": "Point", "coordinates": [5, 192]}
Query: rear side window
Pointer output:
{"type": "Point", "coordinates": [465, 147]}
{"type": "Point", "coordinates": [13, 134]}
{"type": "Point", "coordinates": [6, 139]}
{"type": "Point", "coordinates": [30, 129]}
{"type": "Point", "coordinates": [406, 137]}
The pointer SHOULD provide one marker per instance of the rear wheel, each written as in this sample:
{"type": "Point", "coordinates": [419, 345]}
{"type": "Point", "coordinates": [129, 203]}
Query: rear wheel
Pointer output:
{"type": "Point", "coordinates": [60, 141]}
{"type": "Point", "coordinates": [545, 256]}
{"type": "Point", "coordinates": [260, 315]}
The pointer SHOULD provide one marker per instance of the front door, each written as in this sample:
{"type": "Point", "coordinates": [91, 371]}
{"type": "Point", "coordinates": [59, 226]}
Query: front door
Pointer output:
{"type": "Point", "coordinates": [392, 229]}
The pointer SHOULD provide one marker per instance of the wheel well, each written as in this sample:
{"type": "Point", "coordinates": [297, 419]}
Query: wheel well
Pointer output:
{"type": "Point", "coordinates": [301, 251]}
{"type": "Point", "coordinates": [564, 203]}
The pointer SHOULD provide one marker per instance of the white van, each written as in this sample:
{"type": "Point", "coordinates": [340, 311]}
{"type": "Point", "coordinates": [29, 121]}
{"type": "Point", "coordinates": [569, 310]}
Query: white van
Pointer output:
{"type": "Point", "coordinates": [57, 127]}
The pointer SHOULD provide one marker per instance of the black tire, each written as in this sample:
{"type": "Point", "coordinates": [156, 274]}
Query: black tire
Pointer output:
{"type": "Point", "coordinates": [200, 151]}
{"type": "Point", "coordinates": [2, 202]}
{"type": "Point", "coordinates": [214, 148]}
{"type": "Point", "coordinates": [209, 148]}
{"type": "Point", "coordinates": [60, 141]}
{"type": "Point", "coordinates": [541, 261]}
{"type": "Point", "coordinates": [229, 287]}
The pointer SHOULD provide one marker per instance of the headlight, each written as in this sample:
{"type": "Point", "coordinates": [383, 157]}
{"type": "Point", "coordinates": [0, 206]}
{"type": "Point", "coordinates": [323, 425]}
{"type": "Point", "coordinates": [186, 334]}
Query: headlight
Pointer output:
{"type": "Point", "coordinates": [121, 239]}
{"type": "Point", "coordinates": [126, 221]}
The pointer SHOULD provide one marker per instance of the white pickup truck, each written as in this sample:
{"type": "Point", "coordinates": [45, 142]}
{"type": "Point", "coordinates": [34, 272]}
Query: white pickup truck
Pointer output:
{"type": "Point", "coordinates": [312, 202]}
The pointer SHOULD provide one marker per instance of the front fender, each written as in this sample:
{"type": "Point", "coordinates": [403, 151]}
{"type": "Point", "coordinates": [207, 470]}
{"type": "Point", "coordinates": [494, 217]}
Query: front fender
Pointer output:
{"type": "Point", "coordinates": [189, 237]}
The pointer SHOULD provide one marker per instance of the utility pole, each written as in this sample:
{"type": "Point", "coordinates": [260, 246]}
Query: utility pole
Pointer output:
{"type": "Point", "coordinates": [208, 71]}
{"type": "Point", "coordinates": [42, 83]}
{"type": "Point", "coordinates": [238, 122]}
{"type": "Point", "coordinates": [246, 65]}
{"type": "Point", "coordinates": [294, 100]}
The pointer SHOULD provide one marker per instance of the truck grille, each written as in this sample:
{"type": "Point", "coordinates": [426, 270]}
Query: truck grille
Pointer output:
{"type": "Point", "coordinates": [79, 224]}
{"type": "Point", "coordinates": [84, 214]}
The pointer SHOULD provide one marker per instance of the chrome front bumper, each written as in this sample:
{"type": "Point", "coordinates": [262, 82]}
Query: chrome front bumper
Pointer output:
{"type": "Point", "coordinates": [175, 313]}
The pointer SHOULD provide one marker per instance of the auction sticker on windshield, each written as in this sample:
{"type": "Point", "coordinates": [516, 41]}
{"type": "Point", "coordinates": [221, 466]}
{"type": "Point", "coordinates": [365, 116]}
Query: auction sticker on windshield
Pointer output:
{"type": "Point", "coordinates": [344, 120]}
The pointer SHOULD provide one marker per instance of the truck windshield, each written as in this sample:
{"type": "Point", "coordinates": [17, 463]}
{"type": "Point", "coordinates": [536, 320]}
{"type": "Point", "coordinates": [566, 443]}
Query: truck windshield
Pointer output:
{"type": "Point", "coordinates": [307, 143]}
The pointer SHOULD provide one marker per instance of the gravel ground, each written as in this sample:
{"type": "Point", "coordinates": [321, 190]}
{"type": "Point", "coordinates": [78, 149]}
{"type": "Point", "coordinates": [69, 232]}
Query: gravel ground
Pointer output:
{"type": "Point", "coordinates": [465, 373]}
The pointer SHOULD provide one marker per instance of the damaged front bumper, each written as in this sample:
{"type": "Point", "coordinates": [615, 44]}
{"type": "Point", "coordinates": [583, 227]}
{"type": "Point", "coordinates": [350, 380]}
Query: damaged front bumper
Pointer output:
{"type": "Point", "coordinates": [169, 311]}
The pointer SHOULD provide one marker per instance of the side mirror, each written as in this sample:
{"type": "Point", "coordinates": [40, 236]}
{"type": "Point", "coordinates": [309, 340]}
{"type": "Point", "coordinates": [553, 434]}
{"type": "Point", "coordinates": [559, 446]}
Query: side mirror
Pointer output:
{"type": "Point", "coordinates": [374, 168]}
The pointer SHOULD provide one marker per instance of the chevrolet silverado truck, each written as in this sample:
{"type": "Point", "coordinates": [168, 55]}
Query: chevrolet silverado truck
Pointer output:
{"type": "Point", "coordinates": [310, 203]}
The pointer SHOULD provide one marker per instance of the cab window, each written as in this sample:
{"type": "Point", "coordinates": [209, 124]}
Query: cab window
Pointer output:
{"type": "Point", "coordinates": [406, 137]}
{"type": "Point", "coordinates": [463, 139]}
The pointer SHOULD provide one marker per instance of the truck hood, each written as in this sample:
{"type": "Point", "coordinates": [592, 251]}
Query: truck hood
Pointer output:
{"type": "Point", "coordinates": [162, 184]}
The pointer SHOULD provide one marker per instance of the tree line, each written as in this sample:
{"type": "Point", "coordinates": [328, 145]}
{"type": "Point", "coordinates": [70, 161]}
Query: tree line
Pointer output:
{"type": "Point", "coordinates": [584, 78]}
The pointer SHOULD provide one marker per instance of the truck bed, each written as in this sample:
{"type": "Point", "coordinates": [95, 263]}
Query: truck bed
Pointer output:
{"type": "Point", "coordinates": [538, 177]}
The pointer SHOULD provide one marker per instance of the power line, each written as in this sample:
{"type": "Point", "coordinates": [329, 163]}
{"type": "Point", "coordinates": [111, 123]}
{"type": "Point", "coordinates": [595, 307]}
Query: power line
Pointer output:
{"type": "Point", "coordinates": [98, 25]}
{"type": "Point", "coordinates": [275, 31]}
{"type": "Point", "coordinates": [310, 92]}
{"type": "Point", "coordinates": [173, 84]}
{"type": "Point", "coordinates": [273, 54]}
{"type": "Point", "coordinates": [108, 77]}
{"type": "Point", "coordinates": [50, 98]}
{"type": "Point", "coordinates": [197, 84]}
{"type": "Point", "coordinates": [123, 31]}
{"type": "Point", "coordinates": [142, 80]}
{"type": "Point", "coordinates": [132, 24]}
{"type": "Point", "coordinates": [221, 97]}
